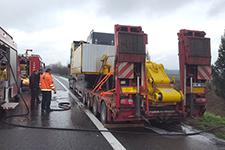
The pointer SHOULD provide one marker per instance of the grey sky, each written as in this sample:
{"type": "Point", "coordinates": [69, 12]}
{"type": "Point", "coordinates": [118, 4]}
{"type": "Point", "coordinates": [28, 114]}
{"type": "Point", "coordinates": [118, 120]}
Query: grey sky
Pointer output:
{"type": "Point", "coordinates": [49, 26]}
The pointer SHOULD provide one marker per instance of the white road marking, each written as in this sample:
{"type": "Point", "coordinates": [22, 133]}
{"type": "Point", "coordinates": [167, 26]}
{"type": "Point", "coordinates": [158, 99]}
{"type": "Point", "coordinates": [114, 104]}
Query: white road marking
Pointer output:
{"type": "Point", "coordinates": [108, 135]}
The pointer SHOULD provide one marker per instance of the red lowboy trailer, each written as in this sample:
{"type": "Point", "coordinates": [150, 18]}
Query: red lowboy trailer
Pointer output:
{"type": "Point", "coordinates": [114, 79]}
{"type": "Point", "coordinates": [195, 69]}
{"type": "Point", "coordinates": [115, 91]}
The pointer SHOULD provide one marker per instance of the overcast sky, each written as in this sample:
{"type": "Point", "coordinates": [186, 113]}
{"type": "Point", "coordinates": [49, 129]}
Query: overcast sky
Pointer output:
{"type": "Point", "coordinates": [49, 26]}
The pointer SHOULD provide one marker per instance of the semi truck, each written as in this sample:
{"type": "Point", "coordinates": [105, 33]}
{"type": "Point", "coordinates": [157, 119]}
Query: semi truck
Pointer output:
{"type": "Point", "coordinates": [118, 83]}
{"type": "Point", "coordinates": [8, 70]}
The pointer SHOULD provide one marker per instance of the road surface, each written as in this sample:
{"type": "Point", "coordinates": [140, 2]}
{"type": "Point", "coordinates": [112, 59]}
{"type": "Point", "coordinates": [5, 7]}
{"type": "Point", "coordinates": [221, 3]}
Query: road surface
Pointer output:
{"type": "Point", "coordinates": [18, 138]}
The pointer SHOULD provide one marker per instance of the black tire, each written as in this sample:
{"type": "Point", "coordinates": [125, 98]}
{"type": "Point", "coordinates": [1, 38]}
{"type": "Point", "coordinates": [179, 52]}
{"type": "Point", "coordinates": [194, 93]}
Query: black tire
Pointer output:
{"type": "Point", "coordinates": [95, 106]}
{"type": "Point", "coordinates": [103, 113]}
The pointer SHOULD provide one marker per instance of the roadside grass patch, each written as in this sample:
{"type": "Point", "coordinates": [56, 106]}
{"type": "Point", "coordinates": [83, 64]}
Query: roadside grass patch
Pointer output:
{"type": "Point", "coordinates": [210, 120]}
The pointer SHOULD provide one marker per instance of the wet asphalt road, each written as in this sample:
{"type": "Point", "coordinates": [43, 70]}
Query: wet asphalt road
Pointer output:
{"type": "Point", "coordinates": [16, 138]}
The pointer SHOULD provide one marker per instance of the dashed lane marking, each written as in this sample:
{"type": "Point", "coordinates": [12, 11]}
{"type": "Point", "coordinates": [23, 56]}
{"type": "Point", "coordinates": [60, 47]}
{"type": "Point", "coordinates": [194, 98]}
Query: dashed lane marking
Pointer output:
{"type": "Point", "coordinates": [107, 135]}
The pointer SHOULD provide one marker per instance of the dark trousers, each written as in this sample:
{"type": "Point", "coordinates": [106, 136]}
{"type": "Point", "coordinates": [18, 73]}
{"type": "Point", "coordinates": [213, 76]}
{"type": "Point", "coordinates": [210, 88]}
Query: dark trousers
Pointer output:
{"type": "Point", "coordinates": [34, 96]}
{"type": "Point", "coordinates": [46, 100]}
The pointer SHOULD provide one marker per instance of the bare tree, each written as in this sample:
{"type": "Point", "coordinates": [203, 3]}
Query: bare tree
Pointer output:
{"type": "Point", "coordinates": [59, 69]}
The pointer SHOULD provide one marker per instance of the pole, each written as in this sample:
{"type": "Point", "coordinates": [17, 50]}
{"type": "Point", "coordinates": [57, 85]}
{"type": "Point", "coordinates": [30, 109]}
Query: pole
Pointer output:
{"type": "Point", "coordinates": [138, 99]}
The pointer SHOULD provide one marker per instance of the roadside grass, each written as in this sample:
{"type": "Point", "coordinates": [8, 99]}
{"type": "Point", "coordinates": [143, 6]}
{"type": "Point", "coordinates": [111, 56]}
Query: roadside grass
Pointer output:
{"type": "Point", "coordinates": [215, 111]}
{"type": "Point", "coordinates": [210, 120]}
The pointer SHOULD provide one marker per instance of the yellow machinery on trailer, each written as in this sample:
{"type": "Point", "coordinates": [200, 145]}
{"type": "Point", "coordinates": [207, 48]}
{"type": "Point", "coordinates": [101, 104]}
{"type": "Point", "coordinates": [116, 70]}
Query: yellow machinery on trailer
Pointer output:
{"type": "Point", "coordinates": [160, 87]}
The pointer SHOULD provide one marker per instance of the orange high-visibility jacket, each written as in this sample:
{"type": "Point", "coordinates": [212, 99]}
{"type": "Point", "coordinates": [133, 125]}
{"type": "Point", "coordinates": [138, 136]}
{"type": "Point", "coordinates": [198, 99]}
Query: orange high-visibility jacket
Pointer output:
{"type": "Point", "coordinates": [46, 82]}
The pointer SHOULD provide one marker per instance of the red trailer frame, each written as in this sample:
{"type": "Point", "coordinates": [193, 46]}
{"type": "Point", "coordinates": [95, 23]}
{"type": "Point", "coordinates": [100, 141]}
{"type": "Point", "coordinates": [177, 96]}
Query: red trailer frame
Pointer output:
{"type": "Point", "coordinates": [128, 100]}
{"type": "Point", "coordinates": [195, 69]}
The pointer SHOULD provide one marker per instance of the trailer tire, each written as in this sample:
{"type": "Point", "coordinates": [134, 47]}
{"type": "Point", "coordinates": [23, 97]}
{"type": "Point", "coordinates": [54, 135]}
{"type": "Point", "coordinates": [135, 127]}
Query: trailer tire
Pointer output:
{"type": "Point", "coordinates": [95, 106]}
{"type": "Point", "coordinates": [103, 113]}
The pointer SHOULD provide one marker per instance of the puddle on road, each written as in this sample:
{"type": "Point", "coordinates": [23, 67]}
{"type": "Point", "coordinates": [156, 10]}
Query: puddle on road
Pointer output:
{"type": "Point", "coordinates": [188, 129]}
{"type": "Point", "coordinates": [60, 97]}
{"type": "Point", "coordinates": [204, 137]}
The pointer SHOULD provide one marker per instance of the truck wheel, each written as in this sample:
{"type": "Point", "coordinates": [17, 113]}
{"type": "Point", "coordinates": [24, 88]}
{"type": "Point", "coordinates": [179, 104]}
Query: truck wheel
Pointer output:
{"type": "Point", "coordinates": [95, 106]}
{"type": "Point", "coordinates": [103, 114]}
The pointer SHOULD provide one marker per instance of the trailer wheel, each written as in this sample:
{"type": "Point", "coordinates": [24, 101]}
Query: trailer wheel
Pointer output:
{"type": "Point", "coordinates": [103, 114]}
{"type": "Point", "coordinates": [95, 106]}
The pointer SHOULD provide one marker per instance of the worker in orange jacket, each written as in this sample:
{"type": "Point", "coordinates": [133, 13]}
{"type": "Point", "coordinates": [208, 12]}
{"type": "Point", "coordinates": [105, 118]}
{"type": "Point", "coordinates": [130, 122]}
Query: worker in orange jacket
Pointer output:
{"type": "Point", "coordinates": [46, 86]}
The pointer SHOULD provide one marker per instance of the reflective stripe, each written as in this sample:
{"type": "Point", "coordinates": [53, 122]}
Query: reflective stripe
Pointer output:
{"type": "Point", "coordinates": [126, 70]}
{"type": "Point", "coordinates": [204, 72]}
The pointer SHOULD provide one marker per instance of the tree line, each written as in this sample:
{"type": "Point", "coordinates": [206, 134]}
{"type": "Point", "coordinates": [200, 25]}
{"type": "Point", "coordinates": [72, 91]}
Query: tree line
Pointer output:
{"type": "Point", "coordinates": [59, 69]}
{"type": "Point", "coordinates": [218, 69]}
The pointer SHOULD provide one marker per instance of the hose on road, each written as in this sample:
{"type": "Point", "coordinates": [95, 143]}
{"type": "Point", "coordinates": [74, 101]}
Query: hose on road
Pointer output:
{"type": "Point", "coordinates": [62, 106]}
{"type": "Point", "coordinates": [111, 131]}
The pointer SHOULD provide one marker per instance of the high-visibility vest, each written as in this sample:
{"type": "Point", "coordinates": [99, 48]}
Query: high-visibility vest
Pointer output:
{"type": "Point", "coordinates": [46, 82]}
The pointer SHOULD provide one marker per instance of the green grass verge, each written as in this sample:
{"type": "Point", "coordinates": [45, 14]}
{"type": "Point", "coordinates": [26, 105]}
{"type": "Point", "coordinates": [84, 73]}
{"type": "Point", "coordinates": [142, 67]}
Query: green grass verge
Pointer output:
{"type": "Point", "coordinates": [210, 120]}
